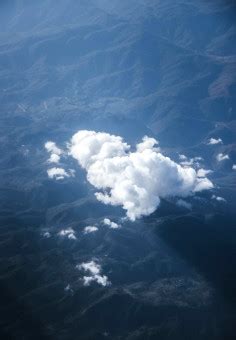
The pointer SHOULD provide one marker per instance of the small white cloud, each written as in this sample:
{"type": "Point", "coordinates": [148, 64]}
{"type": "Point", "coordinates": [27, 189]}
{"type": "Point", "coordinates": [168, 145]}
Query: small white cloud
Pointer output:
{"type": "Point", "coordinates": [54, 158]}
{"type": "Point", "coordinates": [90, 229]}
{"type": "Point", "coordinates": [221, 157]}
{"type": "Point", "coordinates": [234, 167]}
{"type": "Point", "coordinates": [218, 198]}
{"type": "Point", "coordinates": [111, 224]}
{"type": "Point", "coordinates": [71, 172]}
{"type": "Point", "coordinates": [195, 161]}
{"type": "Point", "coordinates": [68, 289]}
{"type": "Point", "coordinates": [71, 236]}
{"type": "Point", "coordinates": [92, 267]}
{"type": "Point", "coordinates": [55, 152]}
{"type": "Point", "coordinates": [69, 233]}
{"type": "Point", "coordinates": [184, 204]}
{"type": "Point", "coordinates": [213, 141]}
{"type": "Point", "coordinates": [57, 173]}
{"type": "Point", "coordinates": [52, 148]}
{"type": "Point", "coordinates": [203, 172]}
{"type": "Point", "coordinates": [46, 234]}
{"type": "Point", "coordinates": [95, 273]}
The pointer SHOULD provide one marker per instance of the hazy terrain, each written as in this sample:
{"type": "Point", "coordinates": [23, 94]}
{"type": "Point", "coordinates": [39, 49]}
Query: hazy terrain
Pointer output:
{"type": "Point", "coordinates": [166, 69]}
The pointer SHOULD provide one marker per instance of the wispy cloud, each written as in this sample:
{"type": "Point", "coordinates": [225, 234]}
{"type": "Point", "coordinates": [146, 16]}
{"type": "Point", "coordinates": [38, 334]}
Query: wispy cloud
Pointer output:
{"type": "Point", "coordinates": [69, 233]}
{"type": "Point", "coordinates": [183, 204]}
{"type": "Point", "coordinates": [218, 198]}
{"type": "Point", "coordinates": [187, 162]}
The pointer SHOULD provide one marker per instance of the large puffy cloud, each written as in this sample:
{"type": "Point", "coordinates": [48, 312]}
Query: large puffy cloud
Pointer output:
{"type": "Point", "coordinates": [137, 179]}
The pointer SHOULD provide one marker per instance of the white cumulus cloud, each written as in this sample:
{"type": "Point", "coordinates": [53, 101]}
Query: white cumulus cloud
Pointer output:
{"type": "Point", "coordinates": [55, 152]}
{"type": "Point", "coordinates": [136, 180]}
{"type": "Point", "coordinates": [54, 158]}
{"type": "Point", "coordinates": [52, 148]}
{"type": "Point", "coordinates": [59, 173]}
{"type": "Point", "coordinates": [213, 141]}
{"type": "Point", "coordinates": [221, 157]}
{"type": "Point", "coordinates": [94, 269]}
{"type": "Point", "coordinates": [111, 224]}
{"type": "Point", "coordinates": [234, 167]}
{"type": "Point", "coordinates": [69, 233]}
{"type": "Point", "coordinates": [90, 229]}
{"type": "Point", "coordinates": [203, 172]}
{"type": "Point", "coordinates": [46, 234]}
{"type": "Point", "coordinates": [218, 198]}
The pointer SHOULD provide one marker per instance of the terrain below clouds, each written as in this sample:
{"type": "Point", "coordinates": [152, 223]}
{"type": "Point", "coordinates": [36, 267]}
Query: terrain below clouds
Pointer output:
{"type": "Point", "coordinates": [71, 266]}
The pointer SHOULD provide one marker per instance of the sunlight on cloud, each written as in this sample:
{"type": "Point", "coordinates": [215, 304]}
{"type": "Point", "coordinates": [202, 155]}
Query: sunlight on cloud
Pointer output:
{"type": "Point", "coordinates": [135, 180]}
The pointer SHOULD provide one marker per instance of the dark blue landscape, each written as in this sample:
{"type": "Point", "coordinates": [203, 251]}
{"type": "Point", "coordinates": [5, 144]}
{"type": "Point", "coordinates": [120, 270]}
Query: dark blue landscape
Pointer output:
{"type": "Point", "coordinates": [106, 233]}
